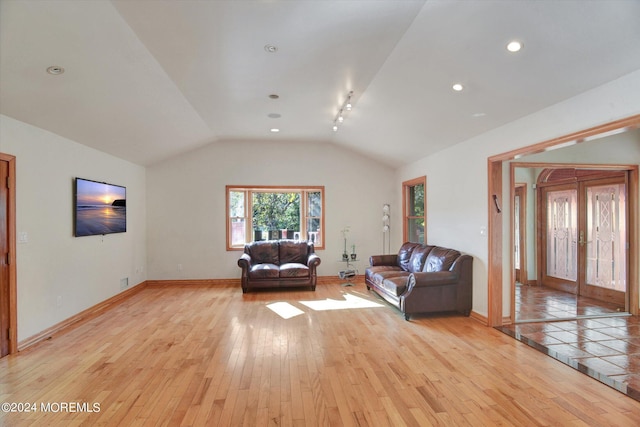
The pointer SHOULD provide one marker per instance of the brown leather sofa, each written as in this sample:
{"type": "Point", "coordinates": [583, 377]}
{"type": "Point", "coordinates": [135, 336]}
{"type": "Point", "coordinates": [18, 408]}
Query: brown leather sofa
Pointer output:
{"type": "Point", "coordinates": [423, 279]}
{"type": "Point", "coordinates": [278, 264]}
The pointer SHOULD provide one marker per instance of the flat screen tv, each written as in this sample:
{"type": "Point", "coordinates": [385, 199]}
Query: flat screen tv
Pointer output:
{"type": "Point", "coordinates": [100, 208]}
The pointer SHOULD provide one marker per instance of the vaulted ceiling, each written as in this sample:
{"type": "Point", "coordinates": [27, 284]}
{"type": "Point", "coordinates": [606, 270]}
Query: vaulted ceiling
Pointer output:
{"type": "Point", "coordinates": [146, 80]}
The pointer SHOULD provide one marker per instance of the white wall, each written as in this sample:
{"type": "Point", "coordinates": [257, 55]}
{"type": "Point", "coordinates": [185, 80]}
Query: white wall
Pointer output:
{"type": "Point", "coordinates": [457, 177]}
{"type": "Point", "coordinates": [60, 275]}
{"type": "Point", "coordinates": [176, 208]}
{"type": "Point", "coordinates": [186, 202]}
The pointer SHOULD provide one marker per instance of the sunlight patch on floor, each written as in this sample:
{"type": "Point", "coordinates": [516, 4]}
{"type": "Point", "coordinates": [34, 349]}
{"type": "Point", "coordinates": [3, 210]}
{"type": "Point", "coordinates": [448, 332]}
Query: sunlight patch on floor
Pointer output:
{"type": "Point", "coordinates": [284, 310]}
{"type": "Point", "coordinates": [350, 301]}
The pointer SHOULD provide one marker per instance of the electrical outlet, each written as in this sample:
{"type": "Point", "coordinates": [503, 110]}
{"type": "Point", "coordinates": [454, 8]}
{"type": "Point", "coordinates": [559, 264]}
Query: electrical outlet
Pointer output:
{"type": "Point", "coordinates": [59, 301]}
{"type": "Point", "coordinates": [179, 267]}
{"type": "Point", "coordinates": [124, 283]}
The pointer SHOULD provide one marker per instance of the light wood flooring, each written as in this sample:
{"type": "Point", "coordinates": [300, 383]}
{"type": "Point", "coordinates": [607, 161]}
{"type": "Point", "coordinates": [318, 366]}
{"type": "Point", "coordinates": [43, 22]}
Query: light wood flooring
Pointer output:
{"type": "Point", "coordinates": [211, 356]}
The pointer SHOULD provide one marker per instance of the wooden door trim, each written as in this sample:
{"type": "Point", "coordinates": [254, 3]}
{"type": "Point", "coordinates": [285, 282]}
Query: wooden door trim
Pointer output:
{"type": "Point", "coordinates": [524, 271]}
{"type": "Point", "coordinates": [11, 234]}
{"type": "Point", "coordinates": [494, 220]}
{"type": "Point", "coordinates": [494, 265]}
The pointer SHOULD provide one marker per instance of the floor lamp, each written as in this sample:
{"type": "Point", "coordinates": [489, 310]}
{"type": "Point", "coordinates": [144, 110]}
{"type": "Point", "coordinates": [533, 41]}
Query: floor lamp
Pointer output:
{"type": "Point", "coordinates": [386, 230]}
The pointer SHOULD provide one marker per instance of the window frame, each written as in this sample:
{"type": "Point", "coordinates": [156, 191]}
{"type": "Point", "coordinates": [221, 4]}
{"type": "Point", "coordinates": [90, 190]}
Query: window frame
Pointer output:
{"type": "Point", "coordinates": [406, 189]}
{"type": "Point", "coordinates": [248, 213]}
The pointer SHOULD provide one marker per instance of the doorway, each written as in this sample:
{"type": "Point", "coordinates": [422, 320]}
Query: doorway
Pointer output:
{"type": "Point", "coordinates": [499, 271]}
{"type": "Point", "coordinates": [580, 221]}
{"type": "Point", "coordinates": [520, 233]}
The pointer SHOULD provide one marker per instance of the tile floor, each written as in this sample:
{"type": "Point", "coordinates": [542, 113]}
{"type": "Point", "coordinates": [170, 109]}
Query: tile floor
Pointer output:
{"type": "Point", "coordinates": [605, 345]}
{"type": "Point", "coordinates": [534, 303]}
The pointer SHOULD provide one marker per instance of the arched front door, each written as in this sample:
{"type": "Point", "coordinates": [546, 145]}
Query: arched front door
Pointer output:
{"type": "Point", "coordinates": [583, 217]}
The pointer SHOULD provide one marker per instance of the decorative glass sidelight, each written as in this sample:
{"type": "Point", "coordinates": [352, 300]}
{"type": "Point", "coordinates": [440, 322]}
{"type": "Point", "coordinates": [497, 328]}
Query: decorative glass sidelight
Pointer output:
{"type": "Point", "coordinates": [561, 234]}
{"type": "Point", "coordinates": [606, 242]}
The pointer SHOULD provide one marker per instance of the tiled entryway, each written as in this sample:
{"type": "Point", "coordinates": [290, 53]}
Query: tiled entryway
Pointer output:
{"type": "Point", "coordinates": [534, 303]}
{"type": "Point", "coordinates": [605, 348]}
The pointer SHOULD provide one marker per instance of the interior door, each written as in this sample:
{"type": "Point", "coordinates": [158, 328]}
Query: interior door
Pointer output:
{"type": "Point", "coordinates": [603, 240]}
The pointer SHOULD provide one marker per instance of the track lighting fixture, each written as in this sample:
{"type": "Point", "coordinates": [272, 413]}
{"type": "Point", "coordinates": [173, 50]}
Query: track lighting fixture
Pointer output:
{"type": "Point", "coordinates": [346, 106]}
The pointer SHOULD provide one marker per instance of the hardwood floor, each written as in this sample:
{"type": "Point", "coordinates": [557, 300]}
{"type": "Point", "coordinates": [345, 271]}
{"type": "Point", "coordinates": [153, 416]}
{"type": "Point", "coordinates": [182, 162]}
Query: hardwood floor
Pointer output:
{"type": "Point", "coordinates": [211, 356]}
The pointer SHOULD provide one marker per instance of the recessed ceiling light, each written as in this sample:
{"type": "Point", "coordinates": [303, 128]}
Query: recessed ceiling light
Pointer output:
{"type": "Point", "coordinates": [476, 115]}
{"type": "Point", "coordinates": [514, 46]}
{"type": "Point", "coordinates": [274, 96]}
{"type": "Point", "coordinates": [457, 87]}
{"type": "Point", "coordinates": [274, 130]}
{"type": "Point", "coordinates": [55, 70]}
{"type": "Point", "coordinates": [274, 115]}
{"type": "Point", "coordinates": [271, 48]}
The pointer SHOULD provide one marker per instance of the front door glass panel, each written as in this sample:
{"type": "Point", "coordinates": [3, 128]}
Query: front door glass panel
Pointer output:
{"type": "Point", "coordinates": [606, 237]}
{"type": "Point", "coordinates": [561, 234]}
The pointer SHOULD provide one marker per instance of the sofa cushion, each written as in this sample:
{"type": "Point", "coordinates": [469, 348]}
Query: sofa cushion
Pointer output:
{"type": "Point", "coordinates": [381, 276]}
{"type": "Point", "coordinates": [371, 271]}
{"type": "Point", "coordinates": [294, 269]}
{"type": "Point", "coordinates": [418, 257]}
{"type": "Point", "coordinates": [292, 251]}
{"type": "Point", "coordinates": [263, 252]}
{"type": "Point", "coordinates": [395, 285]}
{"type": "Point", "coordinates": [440, 259]}
{"type": "Point", "coordinates": [264, 271]}
{"type": "Point", "coordinates": [404, 255]}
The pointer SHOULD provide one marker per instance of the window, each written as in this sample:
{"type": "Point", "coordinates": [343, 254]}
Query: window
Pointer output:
{"type": "Point", "coordinates": [272, 213]}
{"type": "Point", "coordinates": [414, 210]}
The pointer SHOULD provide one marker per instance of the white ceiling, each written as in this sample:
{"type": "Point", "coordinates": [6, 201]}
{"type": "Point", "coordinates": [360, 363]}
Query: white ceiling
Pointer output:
{"type": "Point", "coordinates": [146, 80]}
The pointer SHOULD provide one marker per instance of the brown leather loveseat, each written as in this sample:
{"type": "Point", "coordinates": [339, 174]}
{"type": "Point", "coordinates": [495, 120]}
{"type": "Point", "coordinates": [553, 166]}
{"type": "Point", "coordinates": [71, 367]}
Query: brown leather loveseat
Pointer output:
{"type": "Point", "coordinates": [278, 264]}
{"type": "Point", "coordinates": [423, 279]}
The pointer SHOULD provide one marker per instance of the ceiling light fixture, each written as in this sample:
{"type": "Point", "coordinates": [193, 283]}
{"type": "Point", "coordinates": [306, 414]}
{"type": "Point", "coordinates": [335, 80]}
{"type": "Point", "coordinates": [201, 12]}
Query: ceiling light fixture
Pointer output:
{"type": "Point", "coordinates": [346, 106]}
{"type": "Point", "coordinates": [457, 87]}
{"type": "Point", "coordinates": [514, 46]}
{"type": "Point", "coordinates": [271, 48]}
{"type": "Point", "coordinates": [55, 70]}
{"type": "Point", "coordinates": [274, 130]}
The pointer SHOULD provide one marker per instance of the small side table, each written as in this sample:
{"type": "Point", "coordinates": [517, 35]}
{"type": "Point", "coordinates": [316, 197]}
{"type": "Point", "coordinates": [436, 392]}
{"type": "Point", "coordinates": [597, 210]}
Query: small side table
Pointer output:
{"type": "Point", "coordinates": [350, 272]}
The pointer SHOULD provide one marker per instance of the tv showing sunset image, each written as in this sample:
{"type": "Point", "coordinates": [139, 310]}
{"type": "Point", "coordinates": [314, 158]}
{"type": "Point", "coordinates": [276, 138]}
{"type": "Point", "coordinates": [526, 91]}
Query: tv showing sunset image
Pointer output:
{"type": "Point", "coordinates": [100, 208]}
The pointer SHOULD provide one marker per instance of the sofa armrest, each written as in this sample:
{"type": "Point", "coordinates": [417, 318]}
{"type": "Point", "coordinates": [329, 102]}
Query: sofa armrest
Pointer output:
{"type": "Point", "coordinates": [245, 262]}
{"type": "Point", "coordinates": [313, 261]}
{"type": "Point", "coordinates": [436, 278]}
{"type": "Point", "coordinates": [390, 259]}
